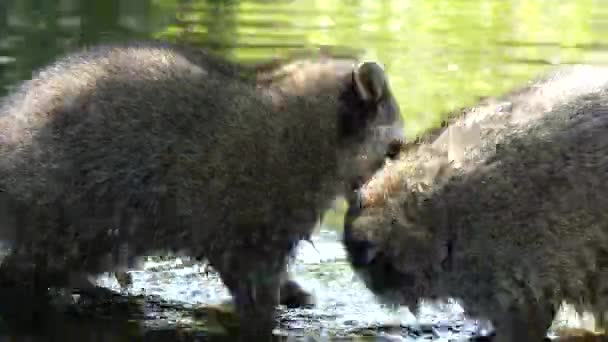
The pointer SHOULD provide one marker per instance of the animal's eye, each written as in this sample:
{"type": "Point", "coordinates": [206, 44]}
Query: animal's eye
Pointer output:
{"type": "Point", "coordinates": [393, 149]}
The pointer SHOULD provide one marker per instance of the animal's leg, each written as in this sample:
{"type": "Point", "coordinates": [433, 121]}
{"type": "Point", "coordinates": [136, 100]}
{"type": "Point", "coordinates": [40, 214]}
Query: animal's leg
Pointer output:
{"type": "Point", "coordinates": [292, 295]}
{"type": "Point", "coordinates": [254, 280]}
{"type": "Point", "coordinates": [527, 324]}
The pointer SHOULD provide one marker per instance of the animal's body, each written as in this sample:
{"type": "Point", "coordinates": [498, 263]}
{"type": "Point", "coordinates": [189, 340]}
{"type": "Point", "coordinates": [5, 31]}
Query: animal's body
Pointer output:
{"type": "Point", "coordinates": [119, 151]}
{"type": "Point", "coordinates": [511, 222]}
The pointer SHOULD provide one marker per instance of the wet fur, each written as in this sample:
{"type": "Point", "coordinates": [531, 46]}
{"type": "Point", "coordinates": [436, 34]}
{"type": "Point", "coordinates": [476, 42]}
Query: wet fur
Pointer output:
{"type": "Point", "coordinates": [511, 223]}
{"type": "Point", "coordinates": [124, 150]}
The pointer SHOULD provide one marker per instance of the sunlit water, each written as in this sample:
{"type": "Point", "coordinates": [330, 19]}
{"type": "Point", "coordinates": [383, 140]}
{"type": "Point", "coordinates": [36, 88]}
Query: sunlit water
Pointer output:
{"type": "Point", "coordinates": [344, 306]}
{"type": "Point", "coordinates": [345, 309]}
{"type": "Point", "coordinates": [440, 55]}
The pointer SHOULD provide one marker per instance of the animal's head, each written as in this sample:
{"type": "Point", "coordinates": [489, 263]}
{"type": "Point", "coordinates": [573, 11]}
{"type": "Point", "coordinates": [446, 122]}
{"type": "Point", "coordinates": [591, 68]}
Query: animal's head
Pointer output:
{"type": "Point", "coordinates": [371, 122]}
{"type": "Point", "coordinates": [353, 98]}
{"type": "Point", "coordinates": [390, 234]}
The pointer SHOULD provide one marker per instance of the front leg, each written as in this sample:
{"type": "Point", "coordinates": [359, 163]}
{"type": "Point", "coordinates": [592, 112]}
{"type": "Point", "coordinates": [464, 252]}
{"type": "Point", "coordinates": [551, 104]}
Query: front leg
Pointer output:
{"type": "Point", "coordinates": [124, 279]}
{"type": "Point", "coordinates": [292, 295]}
{"type": "Point", "coordinates": [254, 277]}
{"type": "Point", "coordinates": [528, 323]}
{"type": "Point", "coordinates": [255, 300]}
{"type": "Point", "coordinates": [18, 270]}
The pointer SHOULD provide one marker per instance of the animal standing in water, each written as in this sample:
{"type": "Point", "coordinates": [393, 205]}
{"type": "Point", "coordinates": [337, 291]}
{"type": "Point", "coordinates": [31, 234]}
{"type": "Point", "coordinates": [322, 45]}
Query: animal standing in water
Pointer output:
{"type": "Point", "coordinates": [123, 150]}
{"type": "Point", "coordinates": [504, 209]}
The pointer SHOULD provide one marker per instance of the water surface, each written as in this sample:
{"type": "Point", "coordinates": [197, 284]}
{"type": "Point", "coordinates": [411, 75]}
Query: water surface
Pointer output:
{"type": "Point", "coordinates": [440, 55]}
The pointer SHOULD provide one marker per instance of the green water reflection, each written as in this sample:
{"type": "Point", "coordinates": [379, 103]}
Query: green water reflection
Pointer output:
{"type": "Point", "coordinates": [440, 54]}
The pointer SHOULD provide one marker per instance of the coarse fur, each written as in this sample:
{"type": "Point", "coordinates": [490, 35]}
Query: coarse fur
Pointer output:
{"type": "Point", "coordinates": [503, 209]}
{"type": "Point", "coordinates": [124, 150]}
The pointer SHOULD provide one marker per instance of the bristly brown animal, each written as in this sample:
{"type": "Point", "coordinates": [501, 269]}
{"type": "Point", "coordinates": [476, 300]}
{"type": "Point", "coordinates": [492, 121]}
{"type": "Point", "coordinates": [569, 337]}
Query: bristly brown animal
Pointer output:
{"type": "Point", "coordinates": [125, 150]}
{"type": "Point", "coordinates": [504, 209]}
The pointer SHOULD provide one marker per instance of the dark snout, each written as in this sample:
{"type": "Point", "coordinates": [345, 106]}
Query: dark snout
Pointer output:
{"type": "Point", "coordinates": [361, 252]}
{"type": "Point", "coordinates": [376, 267]}
{"type": "Point", "coordinates": [394, 148]}
{"type": "Point", "coordinates": [389, 141]}
{"type": "Point", "coordinates": [369, 260]}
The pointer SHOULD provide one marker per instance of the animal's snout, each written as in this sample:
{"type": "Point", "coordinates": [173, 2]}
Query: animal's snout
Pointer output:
{"type": "Point", "coordinates": [376, 266]}
{"type": "Point", "coordinates": [389, 133]}
{"type": "Point", "coordinates": [389, 141]}
{"type": "Point", "coordinates": [361, 252]}
{"type": "Point", "coordinates": [394, 148]}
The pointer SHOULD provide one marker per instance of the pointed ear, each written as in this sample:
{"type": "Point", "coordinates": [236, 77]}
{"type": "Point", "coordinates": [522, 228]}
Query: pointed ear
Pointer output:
{"type": "Point", "coordinates": [370, 81]}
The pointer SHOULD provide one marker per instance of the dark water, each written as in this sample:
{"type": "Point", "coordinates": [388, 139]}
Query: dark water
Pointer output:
{"type": "Point", "coordinates": [440, 55]}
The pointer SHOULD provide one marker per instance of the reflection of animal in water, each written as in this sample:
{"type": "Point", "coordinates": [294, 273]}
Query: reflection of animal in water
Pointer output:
{"type": "Point", "coordinates": [123, 150]}
{"type": "Point", "coordinates": [513, 226]}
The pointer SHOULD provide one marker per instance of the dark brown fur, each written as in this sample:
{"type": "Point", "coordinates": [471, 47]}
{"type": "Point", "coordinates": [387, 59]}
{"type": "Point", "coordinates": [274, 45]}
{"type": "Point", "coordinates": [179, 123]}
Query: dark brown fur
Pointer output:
{"type": "Point", "coordinates": [508, 216]}
{"type": "Point", "coordinates": [124, 150]}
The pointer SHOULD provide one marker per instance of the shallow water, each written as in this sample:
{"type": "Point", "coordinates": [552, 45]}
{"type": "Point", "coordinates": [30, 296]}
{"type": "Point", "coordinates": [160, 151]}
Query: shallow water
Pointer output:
{"type": "Point", "coordinates": [173, 298]}
{"type": "Point", "coordinates": [440, 55]}
{"type": "Point", "coordinates": [345, 308]}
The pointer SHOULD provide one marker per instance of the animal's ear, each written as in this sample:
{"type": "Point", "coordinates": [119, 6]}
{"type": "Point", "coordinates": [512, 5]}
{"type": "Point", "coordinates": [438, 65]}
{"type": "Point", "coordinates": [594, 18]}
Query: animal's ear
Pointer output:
{"type": "Point", "coordinates": [370, 81]}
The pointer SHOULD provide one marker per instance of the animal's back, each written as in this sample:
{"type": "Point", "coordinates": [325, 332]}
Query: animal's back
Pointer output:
{"type": "Point", "coordinates": [122, 150]}
{"type": "Point", "coordinates": [517, 221]}
{"type": "Point", "coordinates": [122, 126]}
{"type": "Point", "coordinates": [541, 198]}
{"type": "Point", "coordinates": [467, 139]}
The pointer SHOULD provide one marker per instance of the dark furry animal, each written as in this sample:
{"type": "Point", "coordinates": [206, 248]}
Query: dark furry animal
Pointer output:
{"type": "Point", "coordinates": [119, 151]}
{"type": "Point", "coordinates": [503, 209]}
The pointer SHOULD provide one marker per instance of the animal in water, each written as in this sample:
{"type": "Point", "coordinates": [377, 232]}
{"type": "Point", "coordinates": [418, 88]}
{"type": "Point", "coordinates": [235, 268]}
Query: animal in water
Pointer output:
{"type": "Point", "coordinates": [129, 149]}
{"type": "Point", "coordinates": [503, 209]}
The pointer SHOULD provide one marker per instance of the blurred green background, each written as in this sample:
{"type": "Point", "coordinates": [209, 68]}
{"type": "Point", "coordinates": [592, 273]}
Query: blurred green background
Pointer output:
{"type": "Point", "coordinates": [440, 54]}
